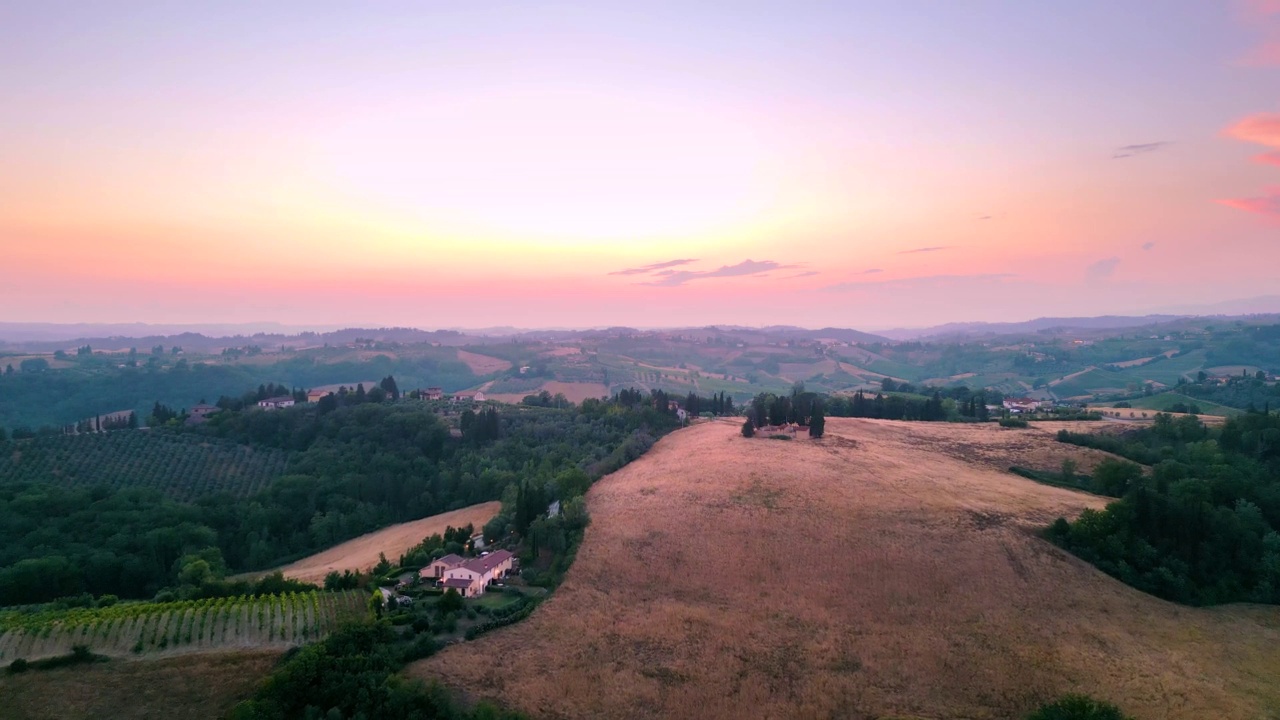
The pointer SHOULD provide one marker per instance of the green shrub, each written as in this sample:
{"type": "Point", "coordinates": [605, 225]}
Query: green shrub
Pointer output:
{"type": "Point", "coordinates": [1077, 707]}
{"type": "Point", "coordinates": [18, 666]}
{"type": "Point", "coordinates": [1013, 423]}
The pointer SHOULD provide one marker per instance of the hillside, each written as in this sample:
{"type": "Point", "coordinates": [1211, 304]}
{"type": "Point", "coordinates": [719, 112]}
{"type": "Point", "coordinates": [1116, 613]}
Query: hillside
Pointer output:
{"type": "Point", "coordinates": [888, 570]}
{"type": "Point", "coordinates": [361, 553]}
{"type": "Point", "coordinates": [184, 467]}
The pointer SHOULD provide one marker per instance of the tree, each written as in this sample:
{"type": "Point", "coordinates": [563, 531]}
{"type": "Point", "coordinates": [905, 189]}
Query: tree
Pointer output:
{"type": "Point", "coordinates": [817, 421]}
{"type": "Point", "coordinates": [34, 365]}
{"type": "Point", "coordinates": [388, 384]}
{"type": "Point", "coordinates": [1068, 471]}
{"type": "Point", "coordinates": [748, 428]}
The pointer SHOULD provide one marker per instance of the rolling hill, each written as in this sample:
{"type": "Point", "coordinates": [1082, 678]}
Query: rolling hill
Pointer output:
{"type": "Point", "coordinates": [888, 570]}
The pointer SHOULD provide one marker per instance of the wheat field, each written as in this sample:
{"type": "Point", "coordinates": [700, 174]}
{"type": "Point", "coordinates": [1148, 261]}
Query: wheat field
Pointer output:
{"type": "Point", "coordinates": [887, 570]}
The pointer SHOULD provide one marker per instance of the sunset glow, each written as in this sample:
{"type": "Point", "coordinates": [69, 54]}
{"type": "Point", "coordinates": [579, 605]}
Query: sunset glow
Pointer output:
{"type": "Point", "coordinates": [443, 165]}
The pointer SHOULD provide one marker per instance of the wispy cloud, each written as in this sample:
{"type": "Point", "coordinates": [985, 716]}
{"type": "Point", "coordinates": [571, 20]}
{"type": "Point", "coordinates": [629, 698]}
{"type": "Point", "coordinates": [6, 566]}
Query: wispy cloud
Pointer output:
{"type": "Point", "coordinates": [1101, 270]}
{"type": "Point", "coordinates": [746, 267]}
{"type": "Point", "coordinates": [872, 271]}
{"type": "Point", "coordinates": [653, 267]}
{"type": "Point", "coordinates": [1148, 245]}
{"type": "Point", "coordinates": [934, 248]}
{"type": "Point", "coordinates": [1268, 204]}
{"type": "Point", "coordinates": [806, 273]}
{"type": "Point", "coordinates": [1261, 128]}
{"type": "Point", "coordinates": [1125, 151]}
{"type": "Point", "coordinates": [1262, 16]}
{"type": "Point", "coordinates": [985, 217]}
{"type": "Point", "coordinates": [1269, 158]}
{"type": "Point", "coordinates": [925, 280]}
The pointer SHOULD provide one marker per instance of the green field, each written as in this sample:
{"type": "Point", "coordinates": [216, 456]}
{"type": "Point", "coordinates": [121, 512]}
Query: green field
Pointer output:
{"type": "Point", "coordinates": [1164, 401]}
{"type": "Point", "coordinates": [184, 467]}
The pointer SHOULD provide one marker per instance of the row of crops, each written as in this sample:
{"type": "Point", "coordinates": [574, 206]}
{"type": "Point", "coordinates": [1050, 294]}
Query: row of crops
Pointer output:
{"type": "Point", "coordinates": [185, 626]}
{"type": "Point", "coordinates": [184, 467]}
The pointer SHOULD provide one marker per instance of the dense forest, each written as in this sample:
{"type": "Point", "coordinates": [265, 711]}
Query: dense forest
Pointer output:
{"type": "Point", "coordinates": [351, 469]}
{"type": "Point", "coordinates": [1201, 525]}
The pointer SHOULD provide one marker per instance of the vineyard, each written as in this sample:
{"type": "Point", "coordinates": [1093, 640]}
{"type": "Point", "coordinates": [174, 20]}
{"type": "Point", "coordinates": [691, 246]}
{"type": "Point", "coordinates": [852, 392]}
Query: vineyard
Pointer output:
{"type": "Point", "coordinates": [183, 467]}
{"type": "Point", "coordinates": [130, 629]}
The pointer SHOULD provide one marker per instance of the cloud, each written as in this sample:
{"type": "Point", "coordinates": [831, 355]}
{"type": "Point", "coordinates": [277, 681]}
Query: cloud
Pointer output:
{"type": "Point", "coordinates": [1101, 270]}
{"type": "Point", "coordinates": [985, 217]}
{"type": "Point", "coordinates": [1271, 158]}
{"type": "Point", "coordinates": [872, 271]}
{"type": "Point", "coordinates": [1268, 204]}
{"type": "Point", "coordinates": [934, 248]}
{"type": "Point", "coordinates": [1139, 149]}
{"type": "Point", "coordinates": [651, 268]}
{"type": "Point", "coordinates": [1148, 245]}
{"type": "Point", "coordinates": [746, 267]}
{"type": "Point", "coordinates": [1265, 55]}
{"type": "Point", "coordinates": [926, 280]}
{"type": "Point", "coordinates": [806, 273]}
{"type": "Point", "coordinates": [1262, 129]}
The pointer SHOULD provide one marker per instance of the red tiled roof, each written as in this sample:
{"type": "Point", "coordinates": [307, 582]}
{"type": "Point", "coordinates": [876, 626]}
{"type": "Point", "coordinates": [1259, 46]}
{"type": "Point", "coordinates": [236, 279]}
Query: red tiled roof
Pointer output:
{"type": "Point", "coordinates": [488, 562]}
{"type": "Point", "coordinates": [457, 582]}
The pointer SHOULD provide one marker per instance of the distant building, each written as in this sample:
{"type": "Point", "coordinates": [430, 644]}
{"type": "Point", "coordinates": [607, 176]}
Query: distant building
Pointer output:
{"type": "Point", "coordinates": [279, 401]}
{"type": "Point", "coordinates": [204, 409]}
{"type": "Point", "coordinates": [432, 393]}
{"type": "Point", "coordinates": [1022, 405]}
{"type": "Point", "coordinates": [317, 395]}
{"type": "Point", "coordinates": [469, 396]}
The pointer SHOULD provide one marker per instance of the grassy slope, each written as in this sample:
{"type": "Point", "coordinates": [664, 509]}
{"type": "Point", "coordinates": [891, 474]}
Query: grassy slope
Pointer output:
{"type": "Point", "coordinates": [1165, 400]}
{"type": "Point", "coordinates": [193, 686]}
{"type": "Point", "coordinates": [888, 570]}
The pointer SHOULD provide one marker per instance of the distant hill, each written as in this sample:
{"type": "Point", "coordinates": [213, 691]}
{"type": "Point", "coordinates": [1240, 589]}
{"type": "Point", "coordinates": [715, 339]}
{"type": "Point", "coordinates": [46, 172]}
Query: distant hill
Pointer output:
{"type": "Point", "coordinates": [1105, 322]}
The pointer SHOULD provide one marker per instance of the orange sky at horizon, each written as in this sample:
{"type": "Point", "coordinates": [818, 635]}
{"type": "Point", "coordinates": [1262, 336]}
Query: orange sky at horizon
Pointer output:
{"type": "Point", "coordinates": [240, 184]}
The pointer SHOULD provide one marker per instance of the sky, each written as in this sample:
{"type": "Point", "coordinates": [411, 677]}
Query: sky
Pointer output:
{"type": "Point", "coordinates": [543, 164]}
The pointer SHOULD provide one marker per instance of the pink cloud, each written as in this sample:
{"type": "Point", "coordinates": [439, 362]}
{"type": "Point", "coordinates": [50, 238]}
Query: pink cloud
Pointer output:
{"type": "Point", "coordinates": [1266, 54]}
{"type": "Point", "coordinates": [1271, 158]}
{"type": "Point", "coordinates": [1268, 204]}
{"type": "Point", "coordinates": [1262, 128]}
{"type": "Point", "coordinates": [1262, 7]}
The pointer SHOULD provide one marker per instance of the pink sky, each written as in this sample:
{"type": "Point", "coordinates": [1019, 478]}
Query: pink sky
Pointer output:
{"type": "Point", "coordinates": [860, 166]}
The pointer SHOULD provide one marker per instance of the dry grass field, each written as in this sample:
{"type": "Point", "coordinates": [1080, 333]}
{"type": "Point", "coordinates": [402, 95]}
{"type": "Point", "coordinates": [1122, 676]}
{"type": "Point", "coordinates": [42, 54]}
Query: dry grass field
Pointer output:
{"type": "Point", "coordinates": [362, 553]}
{"type": "Point", "coordinates": [193, 686]}
{"type": "Point", "coordinates": [483, 364]}
{"type": "Point", "coordinates": [888, 570]}
{"type": "Point", "coordinates": [576, 392]}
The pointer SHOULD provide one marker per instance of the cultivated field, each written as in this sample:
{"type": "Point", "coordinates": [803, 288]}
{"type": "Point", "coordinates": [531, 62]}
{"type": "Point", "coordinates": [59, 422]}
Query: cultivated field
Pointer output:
{"type": "Point", "coordinates": [362, 553]}
{"type": "Point", "coordinates": [575, 392]}
{"type": "Point", "coordinates": [888, 570]}
{"type": "Point", "coordinates": [184, 467]}
{"type": "Point", "coordinates": [133, 629]}
{"type": "Point", "coordinates": [205, 686]}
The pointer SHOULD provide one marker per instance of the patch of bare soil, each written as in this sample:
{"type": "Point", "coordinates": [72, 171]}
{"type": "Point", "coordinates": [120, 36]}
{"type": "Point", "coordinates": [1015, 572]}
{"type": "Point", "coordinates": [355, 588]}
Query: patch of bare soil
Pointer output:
{"type": "Point", "coordinates": [887, 570]}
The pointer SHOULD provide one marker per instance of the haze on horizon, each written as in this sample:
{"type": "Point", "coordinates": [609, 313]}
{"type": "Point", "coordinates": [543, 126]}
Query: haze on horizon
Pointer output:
{"type": "Point", "coordinates": [571, 165]}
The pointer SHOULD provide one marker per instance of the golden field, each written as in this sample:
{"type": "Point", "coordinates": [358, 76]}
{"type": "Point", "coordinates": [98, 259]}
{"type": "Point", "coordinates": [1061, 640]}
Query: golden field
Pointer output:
{"type": "Point", "coordinates": [887, 570]}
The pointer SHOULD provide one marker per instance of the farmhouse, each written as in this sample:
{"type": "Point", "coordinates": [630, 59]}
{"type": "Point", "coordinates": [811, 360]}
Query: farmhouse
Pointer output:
{"type": "Point", "coordinates": [432, 393]}
{"type": "Point", "coordinates": [1021, 405]}
{"type": "Point", "coordinates": [317, 394]}
{"type": "Point", "coordinates": [469, 396]}
{"type": "Point", "coordinates": [279, 401]}
{"type": "Point", "coordinates": [469, 577]}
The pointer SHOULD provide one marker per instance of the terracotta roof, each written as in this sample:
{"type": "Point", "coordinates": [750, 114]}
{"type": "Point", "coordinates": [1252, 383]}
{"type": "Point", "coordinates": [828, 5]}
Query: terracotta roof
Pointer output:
{"type": "Point", "coordinates": [488, 562]}
{"type": "Point", "coordinates": [457, 582]}
{"type": "Point", "coordinates": [451, 559]}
